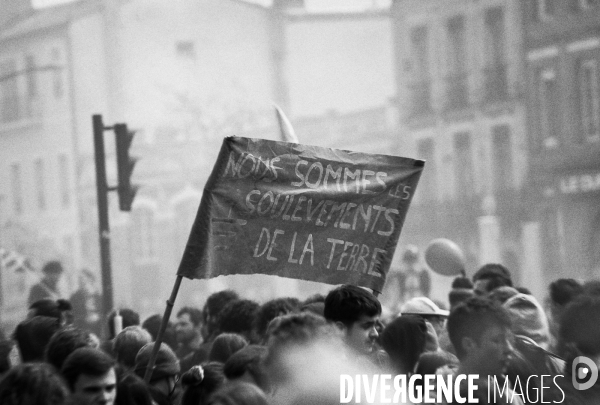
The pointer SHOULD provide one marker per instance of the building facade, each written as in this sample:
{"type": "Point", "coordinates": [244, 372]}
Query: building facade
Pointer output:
{"type": "Point", "coordinates": [562, 43]}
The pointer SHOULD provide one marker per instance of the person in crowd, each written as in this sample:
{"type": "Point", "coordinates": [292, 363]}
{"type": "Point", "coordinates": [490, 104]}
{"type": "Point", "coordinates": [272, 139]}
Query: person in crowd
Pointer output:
{"type": "Point", "coordinates": [60, 309]}
{"type": "Point", "coordinates": [579, 334]}
{"type": "Point", "coordinates": [33, 335]}
{"type": "Point", "coordinates": [33, 384]}
{"type": "Point", "coordinates": [129, 317]}
{"type": "Point", "coordinates": [480, 331]}
{"type": "Point", "coordinates": [428, 310]}
{"type": "Point", "coordinates": [461, 290]}
{"type": "Point", "coordinates": [355, 312]}
{"type": "Point", "coordinates": [64, 342]}
{"type": "Point", "coordinates": [238, 317]}
{"type": "Point", "coordinates": [247, 365]}
{"type": "Point", "coordinates": [430, 362]}
{"type": "Point", "coordinates": [560, 293]}
{"type": "Point", "coordinates": [91, 377]}
{"type": "Point", "coordinates": [188, 328]}
{"type": "Point", "coordinates": [48, 285]}
{"type": "Point", "coordinates": [239, 393]}
{"type": "Point", "coordinates": [528, 319]}
{"type": "Point", "coordinates": [225, 345]}
{"type": "Point", "coordinates": [212, 308]}
{"type": "Point", "coordinates": [87, 303]}
{"type": "Point", "coordinates": [152, 325]}
{"type": "Point", "coordinates": [489, 277]}
{"type": "Point", "coordinates": [131, 389]}
{"type": "Point", "coordinates": [404, 340]}
{"type": "Point", "coordinates": [502, 294]}
{"type": "Point", "coordinates": [164, 386]}
{"type": "Point", "coordinates": [128, 343]}
{"type": "Point", "coordinates": [200, 382]}
{"type": "Point", "coordinates": [270, 310]}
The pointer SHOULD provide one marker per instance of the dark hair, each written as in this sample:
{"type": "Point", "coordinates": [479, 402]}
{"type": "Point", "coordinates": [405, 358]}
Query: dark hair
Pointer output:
{"type": "Point", "coordinates": [564, 290]}
{"type": "Point", "coordinates": [152, 325]}
{"type": "Point", "coordinates": [238, 393]}
{"type": "Point", "coordinates": [217, 301]}
{"type": "Point", "coordinates": [64, 342]}
{"type": "Point", "coordinates": [130, 318]}
{"type": "Point", "coordinates": [194, 313]}
{"type": "Point", "coordinates": [580, 324]}
{"type": "Point", "coordinates": [131, 389]}
{"type": "Point", "coordinates": [33, 335]}
{"type": "Point", "coordinates": [200, 382]}
{"type": "Point", "coordinates": [250, 359]}
{"type": "Point", "coordinates": [348, 303]}
{"type": "Point", "coordinates": [238, 317]}
{"type": "Point", "coordinates": [404, 340]}
{"type": "Point", "coordinates": [86, 360]}
{"type": "Point", "coordinates": [33, 384]}
{"type": "Point", "coordinates": [270, 310]}
{"type": "Point", "coordinates": [225, 345]}
{"type": "Point", "coordinates": [472, 318]}
{"type": "Point", "coordinates": [494, 272]}
{"type": "Point", "coordinates": [462, 282]}
{"type": "Point", "coordinates": [429, 362]}
{"type": "Point", "coordinates": [50, 308]}
{"type": "Point", "coordinates": [128, 342]}
{"type": "Point", "coordinates": [52, 267]}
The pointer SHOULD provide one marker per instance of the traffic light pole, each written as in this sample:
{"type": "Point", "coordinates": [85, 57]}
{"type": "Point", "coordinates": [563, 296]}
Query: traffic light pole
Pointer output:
{"type": "Point", "coordinates": [103, 227]}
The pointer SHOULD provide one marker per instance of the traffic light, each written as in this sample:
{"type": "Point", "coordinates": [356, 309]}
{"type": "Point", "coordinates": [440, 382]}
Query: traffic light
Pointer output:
{"type": "Point", "coordinates": [125, 165]}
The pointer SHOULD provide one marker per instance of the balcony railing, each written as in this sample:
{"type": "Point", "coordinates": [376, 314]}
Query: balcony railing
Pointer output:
{"type": "Point", "coordinates": [457, 91]}
{"type": "Point", "coordinates": [496, 83]}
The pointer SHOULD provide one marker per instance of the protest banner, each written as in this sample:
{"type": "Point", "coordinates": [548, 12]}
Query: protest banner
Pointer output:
{"type": "Point", "coordinates": [302, 212]}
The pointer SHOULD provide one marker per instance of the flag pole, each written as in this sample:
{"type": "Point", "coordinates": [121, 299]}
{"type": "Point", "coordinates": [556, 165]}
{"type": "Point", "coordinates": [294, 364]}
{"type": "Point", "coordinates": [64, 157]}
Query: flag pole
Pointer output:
{"type": "Point", "coordinates": [161, 331]}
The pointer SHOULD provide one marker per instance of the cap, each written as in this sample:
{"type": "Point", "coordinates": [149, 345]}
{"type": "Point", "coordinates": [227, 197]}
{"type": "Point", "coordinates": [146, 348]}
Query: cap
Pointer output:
{"type": "Point", "coordinates": [422, 306]}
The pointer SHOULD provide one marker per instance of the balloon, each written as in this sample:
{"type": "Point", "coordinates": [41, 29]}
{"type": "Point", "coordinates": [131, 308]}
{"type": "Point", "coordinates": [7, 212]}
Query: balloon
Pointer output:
{"type": "Point", "coordinates": [445, 257]}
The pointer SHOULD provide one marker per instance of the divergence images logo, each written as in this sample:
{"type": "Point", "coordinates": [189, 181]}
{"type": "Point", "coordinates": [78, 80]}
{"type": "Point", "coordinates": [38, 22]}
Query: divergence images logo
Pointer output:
{"type": "Point", "coordinates": [584, 372]}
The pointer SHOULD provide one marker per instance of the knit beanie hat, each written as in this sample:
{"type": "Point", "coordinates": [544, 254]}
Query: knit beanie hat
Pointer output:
{"type": "Point", "coordinates": [166, 364]}
{"type": "Point", "coordinates": [528, 318]}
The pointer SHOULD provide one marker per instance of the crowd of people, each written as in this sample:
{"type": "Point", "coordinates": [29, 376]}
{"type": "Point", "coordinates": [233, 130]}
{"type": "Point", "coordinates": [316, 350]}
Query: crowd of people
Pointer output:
{"type": "Point", "coordinates": [235, 351]}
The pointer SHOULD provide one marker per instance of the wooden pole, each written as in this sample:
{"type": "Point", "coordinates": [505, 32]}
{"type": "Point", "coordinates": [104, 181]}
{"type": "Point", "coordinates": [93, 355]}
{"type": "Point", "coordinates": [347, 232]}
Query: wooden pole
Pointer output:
{"type": "Point", "coordinates": [161, 331]}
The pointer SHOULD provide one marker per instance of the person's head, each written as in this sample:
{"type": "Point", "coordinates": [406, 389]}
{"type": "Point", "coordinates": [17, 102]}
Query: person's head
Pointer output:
{"type": "Point", "coordinates": [33, 384]}
{"type": "Point", "coordinates": [51, 308]}
{"type": "Point", "coordinates": [33, 335]}
{"type": "Point", "coordinates": [52, 271]}
{"type": "Point", "coordinates": [489, 277]}
{"type": "Point", "coordinates": [580, 325]}
{"type": "Point", "coordinates": [479, 330]}
{"type": "Point", "coordinates": [129, 318]}
{"type": "Point", "coordinates": [404, 339]}
{"type": "Point", "coordinates": [127, 344]}
{"type": "Point", "coordinates": [166, 368]}
{"type": "Point", "coordinates": [91, 376]}
{"type": "Point", "coordinates": [152, 325]}
{"type": "Point", "coordinates": [429, 362]}
{"type": "Point", "coordinates": [213, 306]}
{"type": "Point", "coordinates": [238, 317]}
{"type": "Point", "coordinates": [188, 325]}
{"type": "Point", "coordinates": [462, 290]}
{"type": "Point", "coordinates": [528, 319]}
{"type": "Point", "coordinates": [131, 389]}
{"type": "Point", "coordinates": [428, 310]}
{"type": "Point", "coordinates": [247, 365]}
{"type": "Point", "coordinates": [200, 382]}
{"type": "Point", "coordinates": [270, 310]}
{"type": "Point", "coordinates": [239, 393]}
{"type": "Point", "coordinates": [64, 342]}
{"type": "Point", "coordinates": [561, 292]}
{"type": "Point", "coordinates": [225, 345]}
{"type": "Point", "coordinates": [355, 311]}
{"type": "Point", "coordinates": [502, 294]}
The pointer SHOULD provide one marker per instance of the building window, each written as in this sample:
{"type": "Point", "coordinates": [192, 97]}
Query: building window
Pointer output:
{"type": "Point", "coordinates": [457, 89]}
{"type": "Point", "coordinates": [548, 108]}
{"type": "Point", "coordinates": [63, 169]}
{"type": "Point", "coordinates": [502, 158]}
{"type": "Point", "coordinates": [421, 85]}
{"type": "Point", "coordinates": [427, 184]}
{"type": "Point", "coordinates": [589, 100]}
{"type": "Point", "coordinates": [41, 184]}
{"type": "Point", "coordinates": [186, 50]}
{"type": "Point", "coordinates": [9, 92]}
{"type": "Point", "coordinates": [16, 187]}
{"type": "Point", "coordinates": [32, 86]}
{"type": "Point", "coordinates": [496, 82]}
{"type": "Point", "coordinates": [57, 81]}
{"type": "Point", "coordinates": [463, 166]}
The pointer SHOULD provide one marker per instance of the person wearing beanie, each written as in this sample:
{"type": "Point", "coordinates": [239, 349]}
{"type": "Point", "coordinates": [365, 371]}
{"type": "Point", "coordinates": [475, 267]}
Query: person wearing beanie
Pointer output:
{"type": "Point", "coordinates": [164, 380]}
{"type": "Point", "coordinates": [528, 319]}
